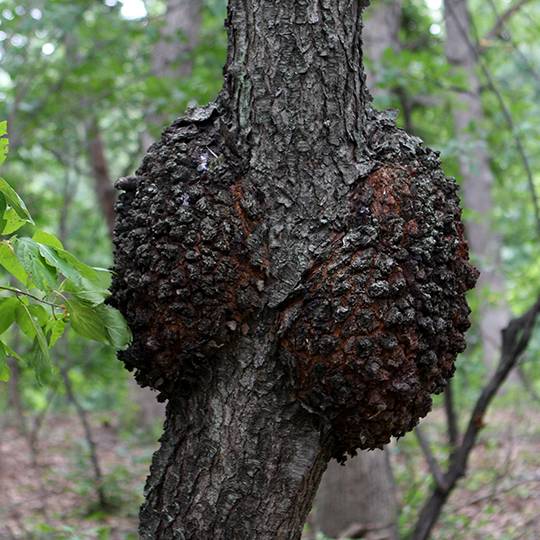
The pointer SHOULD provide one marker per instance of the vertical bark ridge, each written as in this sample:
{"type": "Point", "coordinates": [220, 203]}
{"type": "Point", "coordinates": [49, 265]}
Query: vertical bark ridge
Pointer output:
{"type": "Point", "coordinates": [295, 86]}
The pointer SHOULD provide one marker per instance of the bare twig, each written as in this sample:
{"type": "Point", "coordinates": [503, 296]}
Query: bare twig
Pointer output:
{"type": "Point", "coordinates": [431, 460]}
{"type": "Point", "coordinates": [19, 292]}
{"type": "Point", "coordinates": [503, 19]}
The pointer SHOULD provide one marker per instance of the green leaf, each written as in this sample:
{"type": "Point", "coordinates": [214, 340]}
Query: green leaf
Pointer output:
{"type": "Point", "coordinates": [3, 207]}
{"type": "Point", "coordinates": [9, 261]}
{"type": "Point", "coordinates": [52, 257]}
{"type": "Point", "coordinates": [25, 321]}
{"type": "Point", "coordinates": [86, 320]}
{"type": "Point", "coordinates": [117, 329]}
{"type": "Point", "coordinates": [101, 323]}
{"type": "Point", "coordinates": [54, 330]}
{"type": "Point", "coordinates": [13, 199]}
{"type": "Point", "coordinates": [40, 361]}
{"type": "Point", "coordinates": [8, 311]}
{"type": "Point", "coordinates": [39, 357]}
{"type": "Point", "coordinates": [28, 253]}
{"type": "Point", "coordinates": [39, 313]}
{"type": "Point", "coordinates": [90, 284]}
{"type": "Point", "coordinates": [12, 222]}
{"type": "Point", "coordinates": [11, 352]}
{"type": "Point", "coordinates": [47, 239]}
{"type": "Point", "coordinates": [4, 368]}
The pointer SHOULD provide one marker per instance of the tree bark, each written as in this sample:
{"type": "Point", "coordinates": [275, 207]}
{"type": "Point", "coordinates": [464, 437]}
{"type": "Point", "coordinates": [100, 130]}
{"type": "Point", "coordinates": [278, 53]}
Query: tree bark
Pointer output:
{"type": "Point", "coordinates": [477, 181]}
{"type": "Point", "coordinates": [358, 500]}
{"type": "Point", "coordinates": [239, 459]}
{"type": "Point", "coordinates": [293, 269]}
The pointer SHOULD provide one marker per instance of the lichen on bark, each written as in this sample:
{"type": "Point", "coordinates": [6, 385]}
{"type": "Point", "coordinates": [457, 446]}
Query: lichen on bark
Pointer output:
{"type": "Point", "coordinates": [289, 250]}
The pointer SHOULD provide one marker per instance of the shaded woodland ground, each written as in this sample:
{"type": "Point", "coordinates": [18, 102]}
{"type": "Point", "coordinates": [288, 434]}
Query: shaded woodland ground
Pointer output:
{"type": "Point", "coordinates": [499, 500]}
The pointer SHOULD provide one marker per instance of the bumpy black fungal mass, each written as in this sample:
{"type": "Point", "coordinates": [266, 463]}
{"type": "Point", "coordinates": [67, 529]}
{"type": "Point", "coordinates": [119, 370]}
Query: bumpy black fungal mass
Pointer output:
{"type": "Point", "coordinates": [184, 279]}
{"type": "Point", "coordinates": [384, 312]}
{"type": "Point", "coordinates": [369, 333]}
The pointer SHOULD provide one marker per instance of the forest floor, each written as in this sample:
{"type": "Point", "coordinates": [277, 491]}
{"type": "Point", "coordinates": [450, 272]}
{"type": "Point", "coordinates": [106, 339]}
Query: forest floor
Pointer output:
{"type": "Point", "coordinates": [54, 498]}
{"type": "Point", "coordinates": [500, 497]}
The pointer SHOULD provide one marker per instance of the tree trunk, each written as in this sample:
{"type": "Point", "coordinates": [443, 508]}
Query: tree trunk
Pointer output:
{"type": "Point", "coordinates": [103, 185]}
{"type": "Point", "coordinates": [477, 181]}
{"type": "Point", "coordinates": [294, 272]}
{"type": "Point", "coordinates": [179, 36]}
{"type": "Point", "coordinates": [380, 35]}
{"type": "Point", "coordinates": [171, 55]}
{"type": "Point", "coordinates": [239, 459]}
{"type": "Point", "coordinates": [359, 499]}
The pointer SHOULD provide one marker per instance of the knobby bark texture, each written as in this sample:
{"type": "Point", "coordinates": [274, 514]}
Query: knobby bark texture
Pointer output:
{"type": "Point", "coordinates": [359, 500]}
{"type": "Point", "coordinates": [477, 180]}
{"type": "Point", "coordinates": [293, 269]}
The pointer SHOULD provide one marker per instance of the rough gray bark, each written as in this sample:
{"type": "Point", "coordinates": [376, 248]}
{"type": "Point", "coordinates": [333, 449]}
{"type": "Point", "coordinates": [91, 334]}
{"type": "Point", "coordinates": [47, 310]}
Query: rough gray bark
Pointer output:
{"type": "Point", "coordinates": [477, 181]}
{"type": "Point", "coordinates": [359, 499]}
{"type": "Point", "coordinates": [293, 269]}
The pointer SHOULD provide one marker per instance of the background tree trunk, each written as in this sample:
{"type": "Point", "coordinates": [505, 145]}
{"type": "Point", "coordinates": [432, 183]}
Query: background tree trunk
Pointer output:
{"type": "Point", "coordinates": [171, 57]}
{"type": "Point", "coordinates": [359, 498]}
{"type": "Point", "coordinates": [103, 185]}
{"type": "Point", "coordinates": [477, 181]}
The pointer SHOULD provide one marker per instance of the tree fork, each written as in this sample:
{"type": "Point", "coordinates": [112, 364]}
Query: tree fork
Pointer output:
{"type": "Point", "coordinates": [293, 269]}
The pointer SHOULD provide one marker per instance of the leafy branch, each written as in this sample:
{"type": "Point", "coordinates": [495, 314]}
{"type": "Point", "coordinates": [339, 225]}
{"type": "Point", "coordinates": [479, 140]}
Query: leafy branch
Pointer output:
{"type": "Point", "coordinates": [45, 270]}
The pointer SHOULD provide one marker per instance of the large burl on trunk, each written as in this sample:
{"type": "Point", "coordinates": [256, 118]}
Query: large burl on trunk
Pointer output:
{"type": "Point", "coordinates": [293, 269]}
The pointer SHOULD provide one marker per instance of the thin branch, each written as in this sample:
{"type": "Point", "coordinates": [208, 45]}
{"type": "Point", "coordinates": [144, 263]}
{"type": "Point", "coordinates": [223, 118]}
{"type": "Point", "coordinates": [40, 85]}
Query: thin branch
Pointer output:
{"type": "Point", "coordinates": [515, 339]}
{"type": "Point", "coordinates": [19, 292]}
{"type": "Point", "coordinates": [431, 460]}
{"type": "Point", "coordinates": [487, 496]}
{"type": "Point", "coordinates": [92, 447]}
{"type": "Point", "coordinates": [508, 39]}
{"type": "Point", "coordinates": [506, 113]}
{"type": "Point", "coordinates": [451, 417]}
{"type": "Point", "coordinates": [503, 19]}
